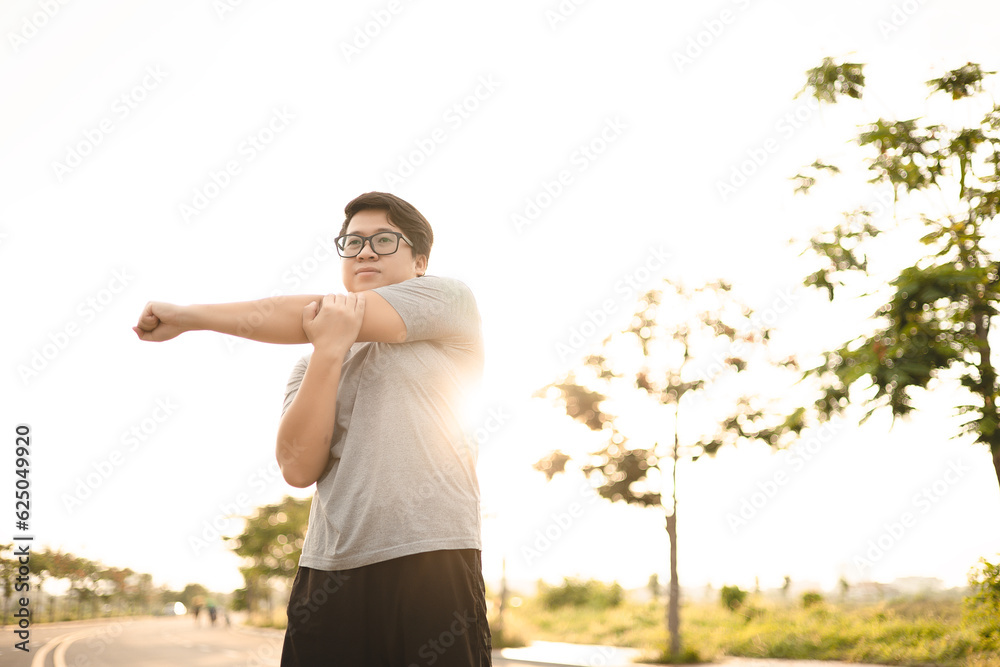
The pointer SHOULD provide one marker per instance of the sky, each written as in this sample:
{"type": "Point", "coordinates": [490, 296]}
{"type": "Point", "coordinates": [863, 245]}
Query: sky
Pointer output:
{"type": "Point", "coordinates": [569, 155]}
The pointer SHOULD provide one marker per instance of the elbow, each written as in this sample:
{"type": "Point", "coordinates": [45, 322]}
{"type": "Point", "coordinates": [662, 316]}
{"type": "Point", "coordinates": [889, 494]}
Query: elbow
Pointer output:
{"type": "Point", "coordinates": [297, 479]}
{"type": "Point", "coordinates": [296, 470]}
{"type": "Point", "coordinates": [296, 475]}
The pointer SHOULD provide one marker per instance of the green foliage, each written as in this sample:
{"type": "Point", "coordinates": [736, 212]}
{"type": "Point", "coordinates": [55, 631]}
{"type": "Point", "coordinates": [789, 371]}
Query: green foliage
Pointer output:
{"type": "Point", "coordinates": [270, 544]}
{"type": "Point", "coordinates": [962, 82]}
{"type": "Point", "coordinates": [982, 606]}
{"type": "Point", "coordinates": [240, 601]}
{"type": "Point", "coordinates": [575, 593]}
{"type": "Point", "coordinates": [830, 80]}
{"type": "Point", "coordinates": [903, 153]}
{"type": "Point", "coordinates": [937, 320]}
{"type": "Point", "coordinates": [272, 538]}
{"type": "Point", "coordinates": [732, 597]}
{"type": "Point", "coordinates": [811, 599]}
{"type": "Point", "coordinates": [620, 468]}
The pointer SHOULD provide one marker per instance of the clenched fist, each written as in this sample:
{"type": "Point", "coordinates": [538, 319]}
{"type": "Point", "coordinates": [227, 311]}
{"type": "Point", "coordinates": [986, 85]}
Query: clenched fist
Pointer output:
{"type": "Point", "coordinates": [159, 322]}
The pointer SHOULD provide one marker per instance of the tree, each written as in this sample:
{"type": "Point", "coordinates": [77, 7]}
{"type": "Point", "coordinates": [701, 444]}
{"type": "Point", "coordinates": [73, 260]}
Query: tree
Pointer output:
{"type": "Point", "coordinates": [8, 574]}
{"type": "Point", "coordinates": [982, 605]}
{"type": "Point", "coordinates": [654, 586]}
{"type": "Point", "coordinates": [680, 345]}
{"type": "Point", "coordinates": [190, 592]}
{"type": "Point", "coordinates": [271, 543]}
{"type": "Point", "coordinates": [935, 324]}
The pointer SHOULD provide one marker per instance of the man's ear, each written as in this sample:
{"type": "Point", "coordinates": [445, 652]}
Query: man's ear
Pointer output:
{"type": "Point", "coordinates": [420, 264]}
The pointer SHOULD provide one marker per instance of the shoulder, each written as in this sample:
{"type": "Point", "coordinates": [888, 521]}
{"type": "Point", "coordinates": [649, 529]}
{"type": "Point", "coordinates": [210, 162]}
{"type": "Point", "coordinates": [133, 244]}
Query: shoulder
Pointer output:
{"type": "Point", "coordinates": [435, 308]}
{"type": "Point", "coordinates": [440, 289]}
{"type": "Point", "coordinates": [429, 283]}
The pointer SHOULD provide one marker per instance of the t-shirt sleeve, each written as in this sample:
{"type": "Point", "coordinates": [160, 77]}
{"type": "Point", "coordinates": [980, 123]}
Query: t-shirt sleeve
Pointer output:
{"type": "Point", "coordinates": [294, 381]}
{"type": "Point", "coordinates": [435, 308]}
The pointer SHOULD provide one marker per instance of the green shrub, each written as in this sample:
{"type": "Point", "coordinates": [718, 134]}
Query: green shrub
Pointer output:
{"type": "Point", "coordinates": [732, 597]}
{"type": "Point", "coordinates": [506, 639]}
{"type": "Point", "coordinates": [687, 656]}
{"type": "Point", "coordinates": [982, 607]}
{"type": "Point", "coordinates": [575, 593]}
{"type": "Point", "coordinates": [811, 598]}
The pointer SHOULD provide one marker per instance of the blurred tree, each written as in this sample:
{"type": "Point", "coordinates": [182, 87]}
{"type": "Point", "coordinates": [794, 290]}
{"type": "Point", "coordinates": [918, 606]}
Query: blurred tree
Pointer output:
{"type": "Point", "coordinates": [654, 586]}
{"type": "Point", "coordinates": [982, 605]}
{"type": "Point", "coordinates": [8, 573]}
{"type": "Point", "coordinates": [190, 592]}
{"type": "Point", "coordinates": [937, 320]}
{"type": "Point", "coordinates": [678, 346]}
{"type": "Point", "coordinates": [116, 579]}
{"type": "Point", "coordinates": [141, 593]}
{"type": "Point", "coordinates": [41, 568]}
{"type": "Point", "coordinates": [270, 544]}
{"type": "Point", "coordinates": [90, 583]}
{"type": "Point", "coordinates": [845, 586]}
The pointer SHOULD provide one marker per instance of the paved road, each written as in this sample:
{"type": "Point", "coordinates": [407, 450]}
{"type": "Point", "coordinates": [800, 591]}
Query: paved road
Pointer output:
{"type": "Point", "coordinates": [173, 641]}
{"type": "Point", "coordinates": [144, 642]}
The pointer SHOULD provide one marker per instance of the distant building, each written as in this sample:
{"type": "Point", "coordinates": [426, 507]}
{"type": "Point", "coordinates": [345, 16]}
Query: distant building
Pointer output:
{"type": "Point", "coordinates": [871, 591]}
{"type": "Point", "coordinates": [918, 585]}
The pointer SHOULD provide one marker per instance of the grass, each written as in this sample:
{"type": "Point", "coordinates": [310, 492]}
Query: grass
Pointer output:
{"type": "Point", "coordinates": [899, 632]}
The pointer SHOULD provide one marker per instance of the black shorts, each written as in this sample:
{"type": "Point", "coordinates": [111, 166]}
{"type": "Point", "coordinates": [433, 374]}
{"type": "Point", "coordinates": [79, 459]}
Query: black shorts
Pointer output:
{"type": "Point", "coordinates": [416, 611]}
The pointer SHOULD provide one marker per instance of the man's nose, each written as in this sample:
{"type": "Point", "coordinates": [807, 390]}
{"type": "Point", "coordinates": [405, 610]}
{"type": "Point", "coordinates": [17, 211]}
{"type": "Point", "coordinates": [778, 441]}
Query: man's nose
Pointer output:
{"type": "Point", "coordinates": [368, 249]}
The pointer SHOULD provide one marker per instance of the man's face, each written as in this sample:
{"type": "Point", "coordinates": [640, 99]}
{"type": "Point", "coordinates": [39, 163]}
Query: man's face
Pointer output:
{"type": "Point", "coordinates": [369, 270]}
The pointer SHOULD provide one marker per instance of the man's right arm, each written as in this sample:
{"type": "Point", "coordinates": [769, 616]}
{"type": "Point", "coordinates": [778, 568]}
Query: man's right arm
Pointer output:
{"type": "Point", "coordinates": [273, 320]}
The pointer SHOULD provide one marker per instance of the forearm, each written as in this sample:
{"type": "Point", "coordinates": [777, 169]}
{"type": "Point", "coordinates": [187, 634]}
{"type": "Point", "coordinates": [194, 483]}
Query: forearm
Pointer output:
{"type": "Point", "coordinates": [306, 428]}
{"type": "Point", "coordinates": [273, 320]}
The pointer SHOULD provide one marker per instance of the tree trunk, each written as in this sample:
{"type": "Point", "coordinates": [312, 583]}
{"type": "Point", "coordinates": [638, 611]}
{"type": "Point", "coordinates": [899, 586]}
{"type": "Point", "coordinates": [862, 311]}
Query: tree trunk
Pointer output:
{"type": "Point", "coordinates": [673, 604]}
{"type": "Point", "coordinates": [503, 600]}
{"type": "Point", "coordinates": [996, 462]}
{"type": "Point", "coordinates": [980, 308]}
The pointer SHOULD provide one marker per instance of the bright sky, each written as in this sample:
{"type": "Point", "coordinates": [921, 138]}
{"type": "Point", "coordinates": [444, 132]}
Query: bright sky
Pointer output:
{"type": "Point", "coordinates": [201, 152]}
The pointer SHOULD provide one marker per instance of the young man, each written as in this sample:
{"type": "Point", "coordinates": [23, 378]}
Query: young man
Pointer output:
{"type": "Point", "coordinates": [390, 572]}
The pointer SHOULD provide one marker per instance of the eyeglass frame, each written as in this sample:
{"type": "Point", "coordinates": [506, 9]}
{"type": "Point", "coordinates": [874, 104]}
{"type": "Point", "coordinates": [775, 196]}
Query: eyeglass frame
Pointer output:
{"type": "Point", "coordinates": [368, 240]}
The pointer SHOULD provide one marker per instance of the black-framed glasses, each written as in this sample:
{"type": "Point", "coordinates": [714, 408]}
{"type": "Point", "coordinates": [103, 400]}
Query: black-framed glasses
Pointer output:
{"type": "Point", "coordinates": [382, 243]}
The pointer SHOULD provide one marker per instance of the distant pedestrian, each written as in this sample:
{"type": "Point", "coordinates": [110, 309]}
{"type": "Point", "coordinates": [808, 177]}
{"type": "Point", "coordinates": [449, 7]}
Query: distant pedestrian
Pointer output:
{"type": "Point", "coordinates": [196, 604]}
{"type": "Point", "coordinates": [212, 613]}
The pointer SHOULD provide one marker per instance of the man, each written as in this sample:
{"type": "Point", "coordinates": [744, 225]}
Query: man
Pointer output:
{"type": "Point", "coordinates": [390, 572]}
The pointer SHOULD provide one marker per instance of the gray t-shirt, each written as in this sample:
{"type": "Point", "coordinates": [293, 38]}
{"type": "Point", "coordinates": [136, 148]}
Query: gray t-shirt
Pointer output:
{"type": "Point", "coordinates": [402, 476]}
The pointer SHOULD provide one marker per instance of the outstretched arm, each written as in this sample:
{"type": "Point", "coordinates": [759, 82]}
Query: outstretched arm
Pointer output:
{"type": "Point", "coordinates": [277, 319]}
{"type": "Point", "coordinates": [274, 320]}
{"type": "Point", "coordinates": [306, 428]}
